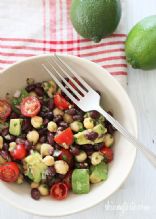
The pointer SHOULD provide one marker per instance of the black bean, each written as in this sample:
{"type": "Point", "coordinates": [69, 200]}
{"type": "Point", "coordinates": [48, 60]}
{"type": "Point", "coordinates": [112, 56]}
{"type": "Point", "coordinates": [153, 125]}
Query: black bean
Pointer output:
{"type": "Point", "coordinates": [5, 146]}
{"type": "Point", "coordinates": [50, 138]}
{"type": "Point", "coordinates": [20, 141]}
{"type": "Point", "coordinates": [26, 125]}
{"type": "Point", "coordinates": [57, 146]}
{"type": "Point", "coordinates": [94, 114]}
{"type": "Point", "coordinates": [27, 179]}
{"type": "Point", "coordinates": [39, 84]}
{"type": "Point", "coordinates": [82, 165]}
{"type": "Point", "coordinates": [98, 146]}
{"type": "Point", "coordinates": [60, 129]}
{"type": "Point", "coordinates": [49, 115]}
{"type": "Point", "coordinates": [12, 138]}
{"type": "Point", "coordinates": [58, 119]}
{"type": "Point", "coordinates": [60, 176]}
{"type": "Point", "coordinates": [51, 104]}
{"type": "Point", "coordinates": [78, 118]}
{"type": "Point", "coordinates": [43, 139]}
{"type": "Point", "coordinates": [28, 145]}
{"type": "Point", "coordinates": [110, 128]}
{"type": "Point", "coordinates": [74, 150]}
{"type": "Point", "coordinates": [91, 135]}
{"type": "Point", "coordinates": [35, 194]}
{"type": "Point", "coordinates": [41, 101]}
{"type": "Point", "coordinates": [45, 121]}
{"type": "Point", "coordinates": [13, 115]}
{"type": "Point", "coordinates": [71, 111]}
{"type": "Point", "coordinates": [39, 91]}
{"type": "Point", "coordinates": [5, 155]}
{"type": "Point", "coordinates": [50, 172]}
{"type": "Point", "coordinates": [42, 131]}
{"type": "Point", "coordinates": [89, 152]}
{"type": "Point", "coordinates": [87, 147]}
{"type": "Point", "coordinates": [63, 124]}
{"type": "Point", "coordinates": [5, 131]}
{"type": "Point", "coordinates": [30, 87]}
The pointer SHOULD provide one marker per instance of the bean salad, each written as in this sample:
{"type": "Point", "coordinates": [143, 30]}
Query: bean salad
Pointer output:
{"type": "Point", "coordinates": [51, 144]}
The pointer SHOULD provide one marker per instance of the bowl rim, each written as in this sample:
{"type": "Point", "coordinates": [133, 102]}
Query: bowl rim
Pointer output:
{"type": "Point", "coordinates": [135, 134]}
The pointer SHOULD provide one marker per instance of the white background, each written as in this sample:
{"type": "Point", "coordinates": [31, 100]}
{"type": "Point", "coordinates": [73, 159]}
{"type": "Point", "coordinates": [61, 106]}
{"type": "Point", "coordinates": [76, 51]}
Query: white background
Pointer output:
{"type": "Point", "coordinates": [137, 197]}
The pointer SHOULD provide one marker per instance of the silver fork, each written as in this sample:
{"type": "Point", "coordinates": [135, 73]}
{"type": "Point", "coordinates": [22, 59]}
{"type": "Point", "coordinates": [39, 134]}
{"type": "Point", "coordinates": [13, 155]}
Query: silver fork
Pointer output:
{"type": "Point", "coordinates": [88, 99]}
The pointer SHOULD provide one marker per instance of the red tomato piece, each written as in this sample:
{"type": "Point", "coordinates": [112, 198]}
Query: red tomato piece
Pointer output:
{"type": "Point", "coordinates": [67, 179]}
{"type": "Point", "coordinates": [19, 152]}
{"type": "Point", "coordinates": [9, 172]}
{"type": "Point", "coordinates": [59, 191]}
{"type": "Point", "coordinates": [30, 106]}
{"type": "Point", "coordinates": [5, 110]}
{"type": "Point", "coordinates": [65, 137]}
{"type": "Point", "coordinates": [60, 102]}
{"type": "Point", "coordinates": [107, 153]}
{"type": "Point", "coordinates": [66, 156]}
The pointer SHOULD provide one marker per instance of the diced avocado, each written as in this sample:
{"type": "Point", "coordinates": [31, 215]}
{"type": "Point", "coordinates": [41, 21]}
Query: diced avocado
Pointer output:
{"type": "Point", "coordinates": [15, 127]}
{"type": "Point", "coordinates": [81, 139]}
{"type": "Point", "coordinates": [34, 167]}
{"type": "Point", "coordinates": [17, 101]}
{"type": "Point", "coordinates": [99, 172]}
{"type": "Point", "coordinates": [80, 181]}
{"type": "Point", "coordinates": [100, 129]}
{"type": "Point", "coordinates": [76, 126]}
{"type": "Point", "coordinates": [108, 140]}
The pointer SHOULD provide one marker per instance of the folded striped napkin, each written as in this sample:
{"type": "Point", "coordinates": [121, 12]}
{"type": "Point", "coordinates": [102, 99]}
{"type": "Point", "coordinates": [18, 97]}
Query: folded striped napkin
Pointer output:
{"type": "Point", "coordinates": [43, 26]}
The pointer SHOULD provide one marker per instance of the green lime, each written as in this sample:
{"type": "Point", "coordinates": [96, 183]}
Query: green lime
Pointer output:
{"type": "Point", "coordinates": [141, 44]}
{"type": "Point", "coordinates": [95, 19]}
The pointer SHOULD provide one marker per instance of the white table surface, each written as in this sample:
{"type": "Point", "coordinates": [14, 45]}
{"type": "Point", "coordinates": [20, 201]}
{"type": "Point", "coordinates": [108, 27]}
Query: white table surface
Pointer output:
{"type": "Point", "coordinates": [137, 197]}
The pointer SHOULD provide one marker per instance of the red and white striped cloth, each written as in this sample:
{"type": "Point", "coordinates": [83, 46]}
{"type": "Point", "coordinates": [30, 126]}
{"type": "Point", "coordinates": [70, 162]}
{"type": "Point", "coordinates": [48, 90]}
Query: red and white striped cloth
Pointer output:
{"type": "Point", "coordinates": [29, 28]}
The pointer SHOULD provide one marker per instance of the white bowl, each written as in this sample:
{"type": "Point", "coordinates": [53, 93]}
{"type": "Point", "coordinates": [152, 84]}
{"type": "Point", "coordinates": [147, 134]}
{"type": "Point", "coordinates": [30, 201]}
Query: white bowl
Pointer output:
{"type": "Point", "coordinates": [114, 98]}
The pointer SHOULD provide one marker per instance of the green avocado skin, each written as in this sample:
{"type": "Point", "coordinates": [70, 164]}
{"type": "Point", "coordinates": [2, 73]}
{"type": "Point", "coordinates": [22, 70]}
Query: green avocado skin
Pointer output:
{"type": "Point", "coordinates": [141, 44]}
{"type": "Point", "coordinates": [95, 19]}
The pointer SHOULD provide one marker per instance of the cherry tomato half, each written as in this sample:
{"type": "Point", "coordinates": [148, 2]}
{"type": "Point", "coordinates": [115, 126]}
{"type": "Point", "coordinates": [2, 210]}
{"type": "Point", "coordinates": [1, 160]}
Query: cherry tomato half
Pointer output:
{"type": "Point", "coordinates": [65, 155]}
{"type": "Point", "coordinates": [9, 172]}
{"type": "Point", "coordinates": [19, 152]}
{"type": "Point", "coordinates": [30, 106]}
{"type": "Point", "coordinates": [5, 110]}
{"type": "Point", "coordinates": [59, 191]}
{"type": "Point", "coordinates": [67, 180]}
{"type": "Point", "coordinates": [107, 153]}
{"type": "Point", "coordinates": [65, 137]}
{"type": "Point", "coordinates": [60, 102]}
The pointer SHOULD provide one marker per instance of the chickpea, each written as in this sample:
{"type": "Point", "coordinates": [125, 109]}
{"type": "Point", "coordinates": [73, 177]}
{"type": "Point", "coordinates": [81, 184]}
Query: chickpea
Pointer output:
{"type": "Point", "coordinates": [82, 156]}
{"type": "Point", "coordinates": [67, 118]}
{"type": "Point", "coordinates": [57, 112]}
{"type": "Point", "coordinates": [34, 185]}
{"type": "Point", "coordinates": [43, 189]}
{"type": "Point", "coordinates": [49, 160]}
{"type": "Point", "coordinates": [33, 136]}
{"type": "Point", "coordinates": [46, 149]}
{"type": "Point", "coordinates": [36, 121]}
{"type": "Point", "coordinates": [52, 126]}
{"type": "Point", "coordinates": [96, 158]}
{"type": "Point", "coordinates": [61, 167]}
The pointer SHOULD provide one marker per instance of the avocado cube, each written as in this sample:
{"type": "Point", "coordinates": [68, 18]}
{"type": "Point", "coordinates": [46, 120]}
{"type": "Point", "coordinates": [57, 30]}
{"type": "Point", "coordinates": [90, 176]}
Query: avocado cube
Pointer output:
{"type": "Point", "coordinates": [99, 172]}
{"type": "Point", "coordinates": [81, 139]}
{"type": "Point", "coordinates": [34, 167]}
{"type": "Point", "coordinates": [15, 127]}
{"type": "Point", "coordinates": [80, 181]}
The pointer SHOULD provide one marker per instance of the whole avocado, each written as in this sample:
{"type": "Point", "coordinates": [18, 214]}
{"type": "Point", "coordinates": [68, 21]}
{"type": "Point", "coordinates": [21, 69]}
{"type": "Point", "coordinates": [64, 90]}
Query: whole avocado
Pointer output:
{"type": "Point", "coordinates": [141, 44]}
{"type": "Point", "coordinates": [95, 19]}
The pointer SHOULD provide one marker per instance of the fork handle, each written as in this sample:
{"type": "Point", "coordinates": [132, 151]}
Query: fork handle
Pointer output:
{"type": "Point", "coordinates": [147, 153]}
